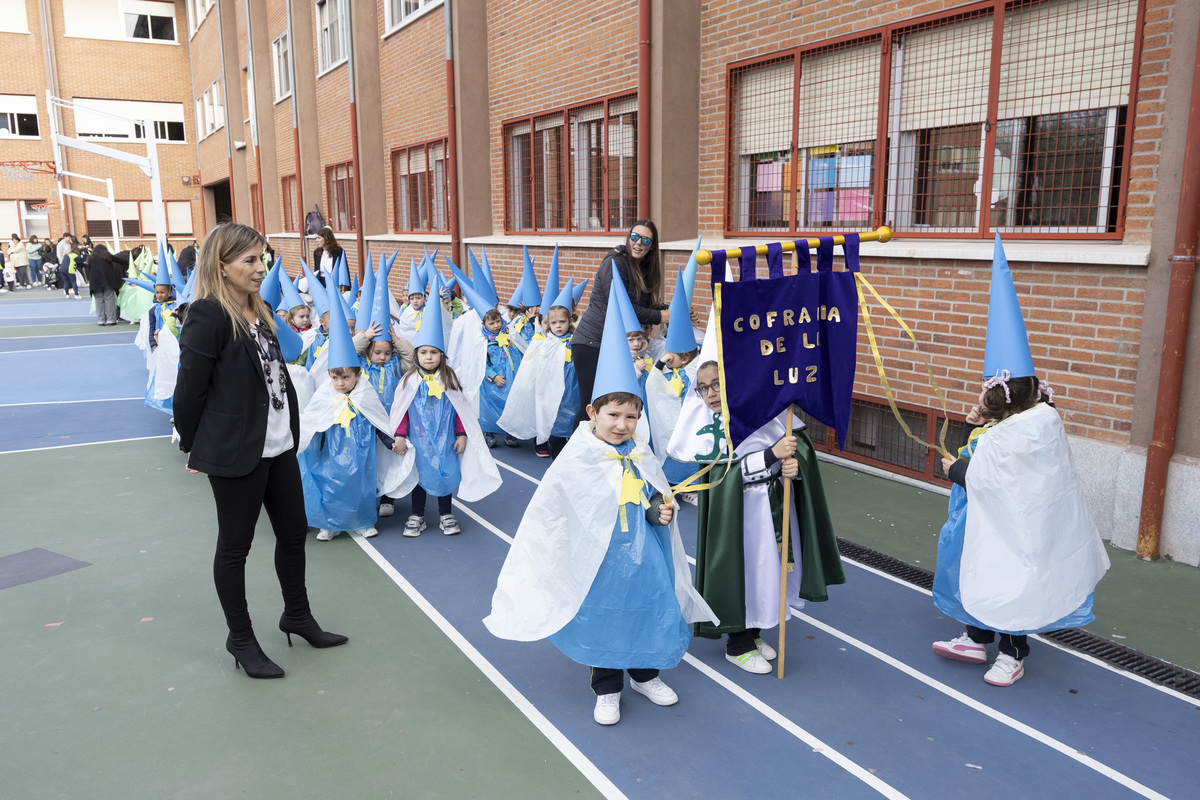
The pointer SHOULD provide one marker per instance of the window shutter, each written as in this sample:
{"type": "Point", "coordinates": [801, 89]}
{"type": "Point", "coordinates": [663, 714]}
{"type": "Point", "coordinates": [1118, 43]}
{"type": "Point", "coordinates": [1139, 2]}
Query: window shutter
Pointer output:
{"type": "Point", "coordinates": [839, 95]}
{"type": "Point", "coordinates": [943, 74]}
{"type": "Point", "coordinates": [764, 108]}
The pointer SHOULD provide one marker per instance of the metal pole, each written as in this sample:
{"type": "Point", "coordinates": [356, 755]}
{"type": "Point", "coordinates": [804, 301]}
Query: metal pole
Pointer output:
{"type": "Point", "coordinates": [112, 215]}
{"type": "Point", "coordinates": [643, 119]}
{"type": "Point", "coordinates": [358, 228]}
{"type": "Point", "coordinates": [451, 138]}
{"type": "Point", "coordinates": [253, 99]}
{"type": "Point", "coordinates": [225, 114]}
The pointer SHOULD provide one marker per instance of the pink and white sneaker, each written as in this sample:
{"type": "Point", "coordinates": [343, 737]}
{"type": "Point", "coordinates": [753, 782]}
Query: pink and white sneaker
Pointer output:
{"type": "Point", "coordinates": [962, 649]}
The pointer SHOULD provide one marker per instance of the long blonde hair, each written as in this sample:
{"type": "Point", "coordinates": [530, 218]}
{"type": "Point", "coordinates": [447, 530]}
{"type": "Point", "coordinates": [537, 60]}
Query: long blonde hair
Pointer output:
{"type": "Point", "coordinates": [223, 244]}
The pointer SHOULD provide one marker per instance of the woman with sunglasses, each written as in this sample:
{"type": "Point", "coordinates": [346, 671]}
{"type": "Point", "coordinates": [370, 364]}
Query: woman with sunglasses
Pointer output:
{"type": "Point", "coordinates": [641, 268]}
{"type": "Point", "coordinates": [238, 421]}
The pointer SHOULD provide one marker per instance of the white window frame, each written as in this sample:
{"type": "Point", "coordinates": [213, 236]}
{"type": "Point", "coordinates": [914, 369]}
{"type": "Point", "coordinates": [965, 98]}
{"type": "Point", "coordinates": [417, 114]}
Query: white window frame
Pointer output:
{"type": "Point", "coordinates": [129, 110]}
{"type": "Point", "coordinates": [197, 12]}
{"type": "Point", "coordinates": [13, 107]}
{"type": "Point", "coordinates": [323, 35]}
{"type": "Point", "coordinates": [136, 8]}
{"type": "Point", "coordinates": [395, 17]}
{"type": "Point", "coordinates": [281, 57]}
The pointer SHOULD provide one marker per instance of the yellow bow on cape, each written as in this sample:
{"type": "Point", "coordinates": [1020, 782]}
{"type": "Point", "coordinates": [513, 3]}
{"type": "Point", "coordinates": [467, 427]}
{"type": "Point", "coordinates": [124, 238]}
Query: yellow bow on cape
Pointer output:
{"type": "Point", "coordinates": [432, 384]}
{"type": "Point", "coordinates": [631, 486]}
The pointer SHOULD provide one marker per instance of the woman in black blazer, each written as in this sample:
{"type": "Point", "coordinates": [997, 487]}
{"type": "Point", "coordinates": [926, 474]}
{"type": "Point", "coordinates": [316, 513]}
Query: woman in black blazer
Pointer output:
{"type": "Point", "coordinates": [326, 244]}
{"type": "Point", "coordinates": [238, 421]}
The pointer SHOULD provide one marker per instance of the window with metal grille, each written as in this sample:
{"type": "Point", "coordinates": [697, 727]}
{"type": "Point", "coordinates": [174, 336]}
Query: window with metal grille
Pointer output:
{"type": "Point", "coordinates": [892, 126]}
{"type": "Point", "coordinates": [420, 191]}
{"type": "Point", "coordinates": [291, 204]}
{"type": "Point", "coordinates": [339, 188]}
{"type": "Point", "coordinates": [573, 170]}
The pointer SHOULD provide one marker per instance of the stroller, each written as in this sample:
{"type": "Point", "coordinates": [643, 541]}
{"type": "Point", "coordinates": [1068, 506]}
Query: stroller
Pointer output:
{"type": "Point", "coordinates": [50, 276]}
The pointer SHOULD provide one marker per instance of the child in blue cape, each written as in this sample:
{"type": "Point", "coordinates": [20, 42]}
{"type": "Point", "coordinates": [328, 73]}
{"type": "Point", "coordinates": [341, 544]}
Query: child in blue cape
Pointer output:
{"type": "Point", "coordinates": [544, 398]}
{"type": "Point", "coordinates": [503, 360]}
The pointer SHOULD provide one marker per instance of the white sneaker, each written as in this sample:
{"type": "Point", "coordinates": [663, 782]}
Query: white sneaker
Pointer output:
{"type": "Point", "coordinates": [962, 649]}
{"type": "Point", "coordinates": [691, 498]}
{"type": "Point", "coordinates": [387, 509]}
{"type": "Point", "coordinates": [608, 709]}
{"type": "Point", "coordinates": [656, 691]}
{"type": "Point", "coordinates": [450, 525]}
{"type": "Point", "coordinates": [765, 650]}
{"type": "Point", "coordinates": [751, 662]}
{"type": "Point", "coordinates": [1005, 672]}
{"type": "Point", "coordinates": [414, 526]}
{"type": "Point", "coordinates": [326, 535]}
{"type": "Point", "coordinates": [367, 533]}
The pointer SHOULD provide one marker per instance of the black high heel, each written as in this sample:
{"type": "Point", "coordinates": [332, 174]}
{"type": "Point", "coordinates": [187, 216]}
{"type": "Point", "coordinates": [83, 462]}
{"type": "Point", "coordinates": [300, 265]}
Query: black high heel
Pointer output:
{"type": "Point", "coordinates": [308, 630]}
{"type": "Point", "coordinates": [253, 660]}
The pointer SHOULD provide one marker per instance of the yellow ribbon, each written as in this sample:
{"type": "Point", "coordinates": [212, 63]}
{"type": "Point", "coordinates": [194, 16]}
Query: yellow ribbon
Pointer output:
{"type": "Point", "coordinates": [432, 384]}
{"type": "Point", "coordinates": [417, 320]}
{"type": "Point", "coordinates": [538, 337]}
{"type": "Point", "coordinates": [676, 383]}
{"type": "Point", "coordinates": [345, 414]}
{"type": "Point", "coordinates": [631, 486]}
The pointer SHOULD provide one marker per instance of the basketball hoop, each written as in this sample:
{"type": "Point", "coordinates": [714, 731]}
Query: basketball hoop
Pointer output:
{"type": "Point", "coordinates": [25, 170]}
{"type": "Point", "coordinates": [49, 205]}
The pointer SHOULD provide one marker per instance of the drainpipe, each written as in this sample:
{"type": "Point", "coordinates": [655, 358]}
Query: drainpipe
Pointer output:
{"type": "Point", "coordinates": [643, 133]}
{"type": "Point", "coordinates": [354, 142]}
{"type": "Point", "coordinates": [52, 80]}
{"type": "Point", "coordinates": [296, 132]}
{"type": "Point", "coordinates": [1174, 348]}
{"type": "Point", "coordinates": [225, 114]}
{"type": "Point", "coordinates": [451, 140]}
{"type": "Point", "coordinates": [252, 101]}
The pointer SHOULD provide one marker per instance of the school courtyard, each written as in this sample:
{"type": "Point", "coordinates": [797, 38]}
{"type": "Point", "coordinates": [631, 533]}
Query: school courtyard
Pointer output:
{"type": "Point", "coordinates": [118, 686]}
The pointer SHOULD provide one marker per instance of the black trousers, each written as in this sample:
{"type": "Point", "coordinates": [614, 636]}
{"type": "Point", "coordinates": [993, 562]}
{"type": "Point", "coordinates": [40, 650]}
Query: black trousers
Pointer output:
{"type": "Point", "coordinates": [585, 357]}
{"type": "Point", "coordinates": [740, 642]}
{"type": "Point", "coordinates": [418, 503]}
{"type": "Point", "coordinates": [1015, 646]}
{"type": "Point", "coordinates": [610, 681]}
{"type": "Point", "coordinates": [275, 485]}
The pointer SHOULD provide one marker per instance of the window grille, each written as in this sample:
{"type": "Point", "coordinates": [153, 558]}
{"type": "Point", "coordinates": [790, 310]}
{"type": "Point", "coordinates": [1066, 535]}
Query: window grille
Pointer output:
{"type": "Point", "coordinates": [420, 190]}
{"type": "Point", "coordinates": [339, 186]}
{"type": "Point", "coordinates": [573, 170]}
{"type": "Point", "coordinates": [291, 203]}
{"type": "Point", "coordinates": [894, 126]}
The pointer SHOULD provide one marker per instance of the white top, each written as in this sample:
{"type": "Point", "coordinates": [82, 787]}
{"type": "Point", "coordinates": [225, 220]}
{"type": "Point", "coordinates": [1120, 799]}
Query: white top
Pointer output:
{"type": "Point", "coordinates": [279, 428]}
{"type": "Point", "coordinates": [326, 263]}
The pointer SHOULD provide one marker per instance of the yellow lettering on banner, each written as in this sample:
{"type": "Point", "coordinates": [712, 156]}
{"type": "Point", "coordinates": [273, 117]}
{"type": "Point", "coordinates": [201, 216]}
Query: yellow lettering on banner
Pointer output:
{"type": "Point", "coordinates": [737, 324]}
{"type": "Point", "coordinates": [777, 381]}
{"type": "Point", "coordinates": [754, 322]}
{"type": "Point", "coordinates": [765, 345]}
{"type": "Point", "coordinates": [779, 345]}
{"type": "Point", "coordinates": [812, 375]}
{"type": "Point", "coordinates": [787, 317]}
{"type": "Point", "coordinates": [834, 316]}
{"type": "Point", "coordinates": [793, 376]}
{"type": "Point", "coordinates": [771, 315]}
{"type": "Point", "coordinates": [820, 312]}
{"type": "Point", "coordinates": [804, 317]}
{"type": "Point", "coordinates": [807, 344]}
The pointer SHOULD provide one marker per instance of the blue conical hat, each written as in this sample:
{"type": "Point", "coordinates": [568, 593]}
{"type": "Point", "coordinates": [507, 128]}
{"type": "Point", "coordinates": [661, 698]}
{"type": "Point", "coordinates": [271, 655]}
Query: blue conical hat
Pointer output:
{"type": "Point", "coordinates": [147, 276]}
{"type": "Point", "coordinates": [552, 285]}
{"type": "Point", "coordinates": [366, 300]}
{"type": "Point", "coordinates": [614, 367]}
{"type": "Point", "coordinates": [381, 311]}
{"type": "Point", "coordinates": [416, 283]}
{"type": "Point", "coordinates": [189, 288]}
{"type": "Point", "coordinates": [269, 289]}
{"type": "Point", "coordinates": [354, 288]}
{"type": "Point", "coordinates": [290, 294]}
{"type": "Point", "coordinates": [680, 337]}
{"type": "Point", "coordinates": [628, 316]}
{"type": "Point", "coordinates": [347, 312]}
{"type": "Point", "coordinates": [341, 342]}
{"type": "Point", "coordinates": [530, 296]}
{"type": "Point", "coordinates": [487, 270]}
{"type": "Point", "coordinates": [290, 342]}
{"type": "Point", "coordinates": [1007, 343]}
{"type": "Point", "coordinates": [578, 290]}
{"type": "Point", "coordinates": [319, 296]}
{"type": "Point", "coordinates": [689, 272]}
{"type": "Point", "coordinates": [432, 333]}
{"type": "Point", "coordinates": [343, 270]}
{"type": "Point", "coordinates": [470, 288]}
{"type": "Point", "coordinates": [176, 273]}
{"type": "Point", "coordinates": [515, 300]}
{"type": "Point", "coordinates": [163, 276]}
{"type": "Point", "coordinates": [147, 285]}
{"type": "Point", "coordinates": [481, 281]}
{"type": "Point", "coordinates": [566, 298]}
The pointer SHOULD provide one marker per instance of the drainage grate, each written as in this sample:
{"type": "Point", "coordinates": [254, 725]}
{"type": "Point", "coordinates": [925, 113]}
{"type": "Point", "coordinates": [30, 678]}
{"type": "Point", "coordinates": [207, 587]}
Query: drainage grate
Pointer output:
{"type": "Point", "coordinates": [1153, 669]}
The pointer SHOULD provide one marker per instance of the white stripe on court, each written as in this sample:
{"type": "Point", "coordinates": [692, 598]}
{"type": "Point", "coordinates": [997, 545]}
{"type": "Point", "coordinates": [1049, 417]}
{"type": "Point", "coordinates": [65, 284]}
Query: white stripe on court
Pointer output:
{"type": "Point", "coordinates": [564, 745]}
{"type": "Point", "coordinates": [986, 710]}
{"type": "Point", "coordinates": [767, 711]}
{"type": "Point", "coordinates": [65, 335]}
{"type": "Point", "coordinates": [48, 316]}
{"type": "Point", "coordinates": [65, 402]}
{"type": "Point", "coordinates": [65, 347]}
{"type": "Point", "coordinates": [84, 444]}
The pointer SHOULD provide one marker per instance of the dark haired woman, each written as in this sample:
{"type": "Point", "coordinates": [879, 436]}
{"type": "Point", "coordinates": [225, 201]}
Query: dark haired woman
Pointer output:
{"type": "Point", "coordinates": [325, 256]}
{"type": "Point", "coordinates": [239, 422]}
{"type": "Point", "coordinates": [104, 285]}
{"type": "Point", "coordinates": [641, 268]}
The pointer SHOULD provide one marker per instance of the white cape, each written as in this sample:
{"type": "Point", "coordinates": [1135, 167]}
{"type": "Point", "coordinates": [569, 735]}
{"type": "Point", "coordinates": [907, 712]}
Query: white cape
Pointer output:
{"type": "Point", "coordinates": [469, 361]}
{"type": "Point", "coordinates": [563, 537]}
{"type": "Point", "coordinates": [164, 365]}
{"type": "Point", "coordinates": [536, 391]}
{"type": "Point", "coordinates": [662, 411]}
{"type": "Point", "coordinates": [303, 384]}
{"type": "Point", "coordinates": [480, 476]}
{"type": "Point", "coordinates": [1031, 553]}
{"type": "Point", "coordinates": [322, 409]}
{"type": "Point", "coordinates": [142, 340]}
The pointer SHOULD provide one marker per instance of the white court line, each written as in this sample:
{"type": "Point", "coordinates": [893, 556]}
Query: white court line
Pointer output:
{"type": "Point", "coordinates": [49, 316]}
{"type": "Point", "coordinates": [767, 711]}
{"type": "Point", "coordinates": [987, 710]}
{"type": "Point", "coordinates": [64, 347]}
{"type": "Point", "coordinates": [564, 745]}
{"type": "Point", "coordinates": [64, 335]}
{"type": "Point", "coordinates": [83, 444]}
{"type": "Point", "coordinates": [900, 581]}
{"type": "Point", "coordinates": [65, 402]}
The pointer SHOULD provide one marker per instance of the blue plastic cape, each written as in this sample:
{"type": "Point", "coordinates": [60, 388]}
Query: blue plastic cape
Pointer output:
{"type": "Point", "coordinates": [502, 362]}
{"type": "Point", "coordinates": [383, 378]}
{"type": "Point", "coordinates": [431, 434]}
{"type": "Point", "coordinates": [630, 616]}
{"type": "Point", "coordinates": [337, 472]}
{"type": "Point", "coordinates": [568, 407]}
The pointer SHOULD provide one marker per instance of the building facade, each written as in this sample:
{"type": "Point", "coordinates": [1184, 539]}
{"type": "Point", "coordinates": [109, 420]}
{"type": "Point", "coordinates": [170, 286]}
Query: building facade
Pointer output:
{"type": "Point", "coordinates": [1059, 124]}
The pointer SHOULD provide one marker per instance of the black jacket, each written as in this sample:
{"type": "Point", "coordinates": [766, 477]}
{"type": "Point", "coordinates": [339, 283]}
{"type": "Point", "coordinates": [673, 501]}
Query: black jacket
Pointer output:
{"type": "Point", "coordinates": [337, 253]}
{"type": "Point", "coordinates": [591, 327]}
{"type": "Point", "coordinates": [221, 399]}
{"type": "Point", "coordinates": [104, 273]}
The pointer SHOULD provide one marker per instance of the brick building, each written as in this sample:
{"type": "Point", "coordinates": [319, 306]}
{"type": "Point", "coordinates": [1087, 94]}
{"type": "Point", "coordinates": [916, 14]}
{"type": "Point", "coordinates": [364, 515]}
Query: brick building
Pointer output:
{"type": "Point", "coordinates": [746, 122]}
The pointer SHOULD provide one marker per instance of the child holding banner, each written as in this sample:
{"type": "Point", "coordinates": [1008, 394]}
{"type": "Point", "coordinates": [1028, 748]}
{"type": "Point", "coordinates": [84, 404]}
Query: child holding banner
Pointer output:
{"type": "Point", "coordinates": [597, 565]}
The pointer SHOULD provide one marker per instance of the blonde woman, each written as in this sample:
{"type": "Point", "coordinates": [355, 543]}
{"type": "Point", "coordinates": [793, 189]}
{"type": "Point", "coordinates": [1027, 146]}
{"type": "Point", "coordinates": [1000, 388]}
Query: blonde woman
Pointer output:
{"type": "Point", "coordinates": [238, 421]}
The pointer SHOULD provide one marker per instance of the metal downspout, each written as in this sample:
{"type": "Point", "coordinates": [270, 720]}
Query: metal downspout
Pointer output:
{"type": "Point", "coordinates": [643, 119]}
{"type": "Point", "coordinates": [452, 139]}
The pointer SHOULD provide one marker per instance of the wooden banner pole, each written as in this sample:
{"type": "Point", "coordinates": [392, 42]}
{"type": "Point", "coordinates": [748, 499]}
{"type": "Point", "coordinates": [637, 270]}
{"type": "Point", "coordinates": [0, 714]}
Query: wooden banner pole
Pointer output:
{"type": "Point", "coordinates": [786, 539]}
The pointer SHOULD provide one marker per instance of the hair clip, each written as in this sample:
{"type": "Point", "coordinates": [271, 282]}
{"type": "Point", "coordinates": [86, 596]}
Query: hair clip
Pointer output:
{"type": "Point", "coordinates": [1000, 379]}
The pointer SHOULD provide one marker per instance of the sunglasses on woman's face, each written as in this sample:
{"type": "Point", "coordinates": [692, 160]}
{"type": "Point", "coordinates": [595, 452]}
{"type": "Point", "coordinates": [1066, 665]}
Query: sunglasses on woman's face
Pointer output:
{"type": "Point", "coordinates": [636, 239]}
